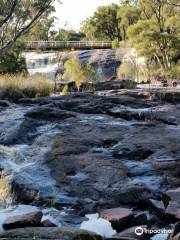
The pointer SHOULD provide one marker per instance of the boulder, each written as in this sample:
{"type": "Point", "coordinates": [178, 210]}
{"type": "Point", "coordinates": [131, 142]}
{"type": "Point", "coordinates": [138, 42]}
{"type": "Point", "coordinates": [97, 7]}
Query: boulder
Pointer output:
{"type": "Point", "coordinates": [21, 221]}
{"type": "Point", "coordinates": [48, 223]}
{"type": "Point", "coordinates": [172, 199]}
{"type": "Point", "coordinates": [130, 234]}
{"type": "Point", "coordinates": [173, 210]}
{"type": "Point", "coordinates": [139, 219]}
{"type": "Point", "coordinates": [119, 217]}
{"type": "Point", "coordinates": [175, 235]}
{"type": "Point", "coordinates": [49, 233]}
{"type": "Point", "coordinates": [48, 113]}
{"type": "Point", "coordinates": [158, 206]}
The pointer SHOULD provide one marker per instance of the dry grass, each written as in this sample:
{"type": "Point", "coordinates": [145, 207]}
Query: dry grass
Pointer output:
{"type": "Point", "coordinates": [5, 192]}
{"type": "Point", "coordinates": [14, 87]}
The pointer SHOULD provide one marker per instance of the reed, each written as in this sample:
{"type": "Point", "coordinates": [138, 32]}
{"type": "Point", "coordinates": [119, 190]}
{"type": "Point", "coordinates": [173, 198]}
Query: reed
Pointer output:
{"type": "Point", "coordinates": [14, 87]}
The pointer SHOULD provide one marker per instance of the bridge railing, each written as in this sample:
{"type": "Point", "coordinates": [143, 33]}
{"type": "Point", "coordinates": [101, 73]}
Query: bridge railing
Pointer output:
{"type": "Point", "coordinates": [68, 44]}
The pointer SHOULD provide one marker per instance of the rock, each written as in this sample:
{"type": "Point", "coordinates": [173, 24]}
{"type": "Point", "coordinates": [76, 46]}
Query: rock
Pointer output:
{"type": "Point", "coordinates": [105, 62]}
{"type": "Point", "coordinates": [134, 194]}
{"type": "Point", "coordinates": [173, 195]}
{"type": "Point", "coordinates": [119, 217]}
{"type": "Point", "coordinates": [48, 223]}
{"type": "Point", "coordinates": [175, 235]}
{"type": "Point", "coordinates": [48, 113]}
{"type": "Point", "coordinates": [158, 206]}
{"type": "Point", "coordinates": [139, 219]}
{"type": "Point", "coordinates": [22, 221]}
{"type": "Point", "coordinates": [5, 103]}
{"type": "Point", "coordinates": [172, 200]}
{"type": "Point", "coordinates": [49, 233]}
{"type": "Point", "coordinates": [87, 158]}
{"type": "Point", "coordinates": [130, 233]}
{"type": "Point", "coordinates": [173, 211]}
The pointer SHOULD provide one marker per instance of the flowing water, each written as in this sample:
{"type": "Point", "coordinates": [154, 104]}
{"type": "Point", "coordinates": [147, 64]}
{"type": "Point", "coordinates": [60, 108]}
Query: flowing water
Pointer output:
{"type": "Point", "coordinates": [44, 63]}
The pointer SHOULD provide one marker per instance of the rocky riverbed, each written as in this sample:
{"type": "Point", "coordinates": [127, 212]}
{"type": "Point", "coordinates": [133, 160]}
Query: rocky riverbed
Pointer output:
{"type": "Point", "coordinates": [113, 153]}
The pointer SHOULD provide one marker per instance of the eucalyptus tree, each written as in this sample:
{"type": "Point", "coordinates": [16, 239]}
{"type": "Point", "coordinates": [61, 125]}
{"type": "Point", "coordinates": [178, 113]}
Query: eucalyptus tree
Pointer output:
{"type": "Point", "coordinates": [18, 16]}
{"type": "Point", "coordinates": [157, 34]}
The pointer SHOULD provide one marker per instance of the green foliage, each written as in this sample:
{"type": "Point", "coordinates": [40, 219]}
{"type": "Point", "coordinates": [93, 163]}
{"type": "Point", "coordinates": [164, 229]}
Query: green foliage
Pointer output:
{"type": "Point", "coordinates": [127, 71]}
{"type": "Point", "coordinates": [157, 35]}
{"type": "Point", "coordinates": [69, 35]}
{"type": "Point", "coordinates": [18, 17]}
{"type": "Point", "coordinates": [43, 30]}
{"type": "Point", "coordinates": [115, 44]}
{"type": "Point", "coordinates": [88, 72]}
{"type": "Point", "coordinates": [103, 25]}
{"type": "Point", "coordinates": [12, 61]}
{"type": "Point", "coordinates": [129, 84]}
{"type": "Point", "coordinates": [77, 73]}
{"type": "Point", "coordinates": [127, 15]}
{"type": "Point", "coordinates": [74, 72]}
{"type": "Point", "coordinates": [65, 90]}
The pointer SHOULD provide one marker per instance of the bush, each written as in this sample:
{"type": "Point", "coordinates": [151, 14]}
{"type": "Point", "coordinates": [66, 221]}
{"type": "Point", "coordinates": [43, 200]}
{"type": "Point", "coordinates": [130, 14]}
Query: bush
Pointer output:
{"type": "Point", "coordinates": [14, 87]}
{"type": "Point", "coordinates": [115, 44]}
{"type": "Point", "coordinates": [12, 61]}
{"type": "Point", "coordinates": [65, 90]}
{"type": "Point", "coordinates": [75, 72]}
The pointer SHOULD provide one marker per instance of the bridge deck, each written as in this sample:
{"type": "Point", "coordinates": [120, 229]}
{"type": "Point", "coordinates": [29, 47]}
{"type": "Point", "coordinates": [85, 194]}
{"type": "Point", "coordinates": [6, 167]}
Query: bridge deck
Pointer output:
{"type": "Point", "coordinates": [31, 45]}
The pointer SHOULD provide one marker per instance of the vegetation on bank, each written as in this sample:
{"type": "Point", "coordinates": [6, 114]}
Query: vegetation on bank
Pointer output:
{"type": "Point", "coordinates": [14, 87]}
{"type": "Point", "coordinates": [151, 27]}
{"type": "Point", "coordinates": [78, 73]}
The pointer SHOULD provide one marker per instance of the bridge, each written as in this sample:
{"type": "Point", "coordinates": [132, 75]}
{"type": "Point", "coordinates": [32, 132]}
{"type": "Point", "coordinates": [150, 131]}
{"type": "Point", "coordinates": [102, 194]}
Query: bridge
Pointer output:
{"type": "Point", "coordinates": [61, 45]}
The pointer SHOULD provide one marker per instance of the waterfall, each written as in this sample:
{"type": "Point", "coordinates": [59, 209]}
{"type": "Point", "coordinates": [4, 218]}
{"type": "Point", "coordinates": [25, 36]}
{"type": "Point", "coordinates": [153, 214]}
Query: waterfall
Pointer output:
{"type": "Point", "coordinates": [44, 63]}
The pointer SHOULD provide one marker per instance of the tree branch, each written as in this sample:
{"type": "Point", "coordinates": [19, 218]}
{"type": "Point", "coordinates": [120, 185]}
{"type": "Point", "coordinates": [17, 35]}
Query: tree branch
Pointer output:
{"type": "Point", "coordinates": [14, 4]}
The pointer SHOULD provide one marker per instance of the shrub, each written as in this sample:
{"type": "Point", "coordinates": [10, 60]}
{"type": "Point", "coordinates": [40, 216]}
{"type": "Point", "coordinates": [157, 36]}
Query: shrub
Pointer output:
{"type": "Point", "coordinates": [12, 61]}
{"type": "Point", "coordinates": [75, 72]}
{"type": "Point", "coordinates": [115, 44]}
{"type": "Point", "coordinates": [14, 87]}
{"type": "Point", "coordinates": [65, 90]}
{"type": "Point", "coordinates": [126, 71]}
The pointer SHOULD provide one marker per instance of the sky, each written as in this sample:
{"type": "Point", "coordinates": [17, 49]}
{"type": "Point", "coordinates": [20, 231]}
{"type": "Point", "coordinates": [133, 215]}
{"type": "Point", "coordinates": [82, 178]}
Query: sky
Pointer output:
{"type": "Point", "coordinates": [72, 12]}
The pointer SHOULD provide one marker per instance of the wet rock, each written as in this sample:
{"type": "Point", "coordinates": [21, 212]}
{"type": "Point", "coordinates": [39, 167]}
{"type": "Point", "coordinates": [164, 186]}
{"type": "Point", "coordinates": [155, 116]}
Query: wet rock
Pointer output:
{"type": "Point", "coordinates": [176, 232]}
{"type": "Point", "coordinates": [158, 206]}
{"type": "Point", "coordinates": [49, 233]}
{"type": "Point", "coordinates": [4, 103]}
{"type": "Point", "coordinates": [22, 221]}
{"type": "Point", "coordinates": [139, 219]}
{"type": "Point", "coordinates": [118, 217]}
{"type": "Point", "coordinates": [89, 159]}
{"type": "Point", "coordinates": [48, 223]}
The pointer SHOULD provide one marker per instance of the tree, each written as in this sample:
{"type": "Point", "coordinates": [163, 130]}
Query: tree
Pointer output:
{"type": "Point", "coordinates": [88, 29]}
{"type": "Point", "coordinates": [128, 14]}
{"type": "Point", "coordinates": [103, 25]}
{"type": "Point", "coordinates": [12, 62]}
{"type": "Point", "coordinates": [77, 72]}
{"type": "Point", "coordinates": [19, 16]}
{"type": "Point", "coordinates": [156, 36]}
{"type": "Point", "coordinates": [43, 30]}
{"type": "Point", "coordinates": [69, 35]}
